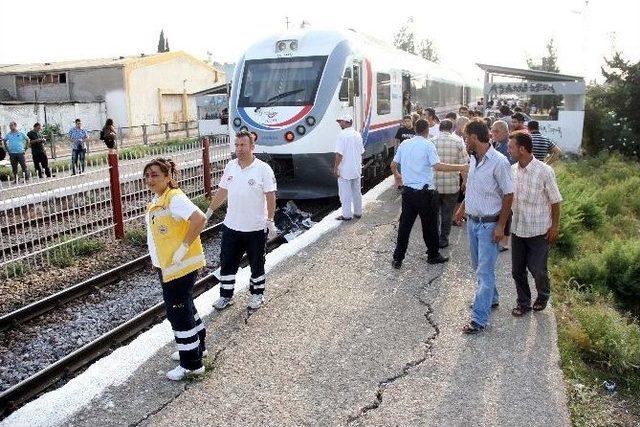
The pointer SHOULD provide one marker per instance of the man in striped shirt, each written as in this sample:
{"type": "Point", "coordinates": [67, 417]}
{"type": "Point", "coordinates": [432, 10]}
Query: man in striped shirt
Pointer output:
{"type": "Point", "coordinates": [487, 206]}
{"type": "Point", "coordinates": [536, 213]}
{"type": "Point", "coordinates": [543, 146]}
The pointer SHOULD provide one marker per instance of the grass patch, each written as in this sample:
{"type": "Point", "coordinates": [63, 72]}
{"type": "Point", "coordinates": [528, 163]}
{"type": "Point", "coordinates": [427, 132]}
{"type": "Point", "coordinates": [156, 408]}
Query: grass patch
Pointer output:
{"type": "Point", "coordinates": [136, 236]}
{"type": "Point", "coordinates": [88, 246]}
{"type": "Point", "coordinates": [596, 280]}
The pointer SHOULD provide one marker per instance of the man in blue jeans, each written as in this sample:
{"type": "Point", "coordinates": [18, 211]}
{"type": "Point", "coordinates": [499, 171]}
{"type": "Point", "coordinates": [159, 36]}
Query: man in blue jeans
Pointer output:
{"type": "Point", "coordinates": [17, 143]}
{"type": "Point", "coordinates": [487, 207]}
{"type": "Point", "coordinates": [78, 137]}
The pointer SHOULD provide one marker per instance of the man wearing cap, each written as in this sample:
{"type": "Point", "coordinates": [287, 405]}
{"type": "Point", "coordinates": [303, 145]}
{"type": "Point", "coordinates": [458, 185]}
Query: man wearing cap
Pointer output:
{"type": "Point", "coordinates": [348, 167]}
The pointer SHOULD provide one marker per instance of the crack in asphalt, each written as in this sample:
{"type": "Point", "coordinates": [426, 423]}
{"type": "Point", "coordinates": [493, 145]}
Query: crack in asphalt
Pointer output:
{"type": "Point", "coordinates": [428, 346]}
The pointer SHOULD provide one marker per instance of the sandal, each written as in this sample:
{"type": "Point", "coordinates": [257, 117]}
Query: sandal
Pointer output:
{"type": "Point", "coordinates": [540, 305]}
{"type": "Point", "coordinates": [472, 328]}
{"type": "Point", "coordinates": [520, 310]}
{"type": "Point", "coordinates": [341, 218]}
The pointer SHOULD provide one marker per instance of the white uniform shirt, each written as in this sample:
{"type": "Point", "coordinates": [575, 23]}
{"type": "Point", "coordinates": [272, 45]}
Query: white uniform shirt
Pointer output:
{"type": "Point", "coordinates": [349, 145]}
{"type": "Point", "coordinates": [246, 202]}
{"type": "Point", "coordinates": [180, 207]}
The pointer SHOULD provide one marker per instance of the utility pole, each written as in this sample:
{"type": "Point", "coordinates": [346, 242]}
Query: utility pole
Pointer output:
{"type": "Point", "coordinates": [287, 22]}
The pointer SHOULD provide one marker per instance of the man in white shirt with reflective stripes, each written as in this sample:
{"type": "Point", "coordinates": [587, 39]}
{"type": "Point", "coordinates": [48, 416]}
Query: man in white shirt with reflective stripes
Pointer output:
{"type": "Point", "coordinates": [249, 186]}
{"type": "Point", "coordinates": [348, 167]}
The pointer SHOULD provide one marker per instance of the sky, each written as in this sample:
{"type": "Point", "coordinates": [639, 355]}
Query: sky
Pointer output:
{"type": "Point", "coordinates": [464, 32]}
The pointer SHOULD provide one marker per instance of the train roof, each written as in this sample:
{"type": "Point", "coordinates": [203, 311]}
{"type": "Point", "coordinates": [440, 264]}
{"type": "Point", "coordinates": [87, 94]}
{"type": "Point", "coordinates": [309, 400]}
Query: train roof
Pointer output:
{"type": "Point", "coordinates": [321, 42]}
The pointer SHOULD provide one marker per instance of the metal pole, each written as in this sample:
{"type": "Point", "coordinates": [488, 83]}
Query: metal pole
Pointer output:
{"type": "Point", "coordinates": [145, 141]}
{"type": "Point", "coordinates": [116, 197]}
{"type": "Point", "coordinates": [206, 167]}
{"type": "Point", "coordinates": [166, 131]}
{"type": "Point", "coordinates": [186, 127]}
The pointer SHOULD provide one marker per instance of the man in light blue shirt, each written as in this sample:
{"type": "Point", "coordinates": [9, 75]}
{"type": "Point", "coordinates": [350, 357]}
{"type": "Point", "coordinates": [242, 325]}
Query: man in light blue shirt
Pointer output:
{"type": "Point", "coordinates": [78, 137]}
{"type": "Point", "coordinates": [487, 206]}
{"type": "Point", "coordinates": [418, 158]}
{"type": "Point", "coordinates": [16, 143]}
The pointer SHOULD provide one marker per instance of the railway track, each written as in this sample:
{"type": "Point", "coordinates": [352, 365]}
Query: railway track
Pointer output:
{"type": "Point", "coordinates": [67, 366]}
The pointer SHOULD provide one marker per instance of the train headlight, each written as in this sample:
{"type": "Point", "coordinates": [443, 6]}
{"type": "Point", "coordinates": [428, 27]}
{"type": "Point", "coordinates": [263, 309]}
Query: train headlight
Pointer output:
{"type": "Point", "coordinates": [281, 46]}
{"type": "Point", "coordinates": [237, 122]}
{"type": "Point", "coordinates": [289, 136]}
{"type": "Point", "coordinates": [293, 45]}
{"type": "Point", "coordinates": [310, 120]}
{"type": "Point", "coordinates": [301, 130]}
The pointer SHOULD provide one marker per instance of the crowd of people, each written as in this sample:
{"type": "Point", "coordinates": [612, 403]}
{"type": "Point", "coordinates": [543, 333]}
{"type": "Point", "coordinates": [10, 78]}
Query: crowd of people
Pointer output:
{"type": "Point", "coordinates": [15, 144]}
{"type": "Point", "coordinates": [453, 171]}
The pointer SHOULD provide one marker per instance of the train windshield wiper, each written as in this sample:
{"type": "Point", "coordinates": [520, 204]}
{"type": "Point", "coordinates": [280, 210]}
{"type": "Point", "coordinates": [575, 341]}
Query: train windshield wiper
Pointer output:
{"type": "Point", "coordinates": [278, 97]}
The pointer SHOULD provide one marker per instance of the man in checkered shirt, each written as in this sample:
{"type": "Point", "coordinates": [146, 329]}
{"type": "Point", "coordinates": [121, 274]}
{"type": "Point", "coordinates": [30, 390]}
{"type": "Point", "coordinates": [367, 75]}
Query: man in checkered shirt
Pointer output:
{"type": "Point", "coordinates": [536, 213]}
{"type": "Point", "coordinates": [451, 150]}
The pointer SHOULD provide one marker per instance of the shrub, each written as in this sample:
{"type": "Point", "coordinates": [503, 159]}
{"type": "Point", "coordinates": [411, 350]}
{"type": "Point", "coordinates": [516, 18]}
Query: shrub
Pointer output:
{"type": "Point", "coordinates": [622, 269]}
{"type": "Point", "coordinates": [136, 236]}
{"type": "Point", "coordinates": [88, 246]}
{"type": "Point", "coordinates": [614, 341]}
{"type": "Point", "coordinates": [592, 215]}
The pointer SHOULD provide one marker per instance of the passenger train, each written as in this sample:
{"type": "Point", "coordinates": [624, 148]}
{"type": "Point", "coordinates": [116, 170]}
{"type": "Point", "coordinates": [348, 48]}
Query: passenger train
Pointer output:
{"type": "Point", "coordinates": [288, 90]}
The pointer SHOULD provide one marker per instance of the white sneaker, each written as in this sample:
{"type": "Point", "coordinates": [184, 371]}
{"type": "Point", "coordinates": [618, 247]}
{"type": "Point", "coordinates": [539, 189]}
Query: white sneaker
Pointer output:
{"type": "Point", "coordinates": [222, 303]}
{"type": "Point", "coordinates": [176, 355]}
{"type": "Point", "coordinates": [256, 302]}
{"type": "Point", "coordinates": [178, 373]}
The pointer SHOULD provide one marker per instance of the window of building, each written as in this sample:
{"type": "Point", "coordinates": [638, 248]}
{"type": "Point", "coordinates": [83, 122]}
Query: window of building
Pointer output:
{"type": "Point", "coordinates": [384, 93]}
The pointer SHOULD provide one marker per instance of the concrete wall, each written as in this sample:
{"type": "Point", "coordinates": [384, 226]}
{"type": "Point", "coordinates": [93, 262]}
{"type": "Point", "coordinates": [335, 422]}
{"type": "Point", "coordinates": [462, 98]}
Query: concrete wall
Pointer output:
{"type": "Point", "coordinates": [170, 76]}
{"type": "Point", "coordinates": [8, 83]}
{"type": "Point", "coordinates": [25, 115]}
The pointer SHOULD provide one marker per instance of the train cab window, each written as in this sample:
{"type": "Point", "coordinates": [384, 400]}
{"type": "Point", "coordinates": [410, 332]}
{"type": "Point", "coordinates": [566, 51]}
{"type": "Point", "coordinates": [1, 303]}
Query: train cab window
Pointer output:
{"type": "Point", "coordinates": [356, 80]}
{"type": "Point", "coordinates": [344, 87]}
{"type": "Point", "coordinates": [281, 81]}
{"type": "Point", "coordinates": [383, 91]}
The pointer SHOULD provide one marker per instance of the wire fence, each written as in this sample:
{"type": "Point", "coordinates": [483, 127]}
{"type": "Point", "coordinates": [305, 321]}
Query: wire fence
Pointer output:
{"type": "Point", "coordinates": [46, 223]}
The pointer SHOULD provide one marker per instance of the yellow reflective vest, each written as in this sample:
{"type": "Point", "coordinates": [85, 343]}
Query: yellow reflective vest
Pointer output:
{"type": "Point", "coordinates": [168, 234]}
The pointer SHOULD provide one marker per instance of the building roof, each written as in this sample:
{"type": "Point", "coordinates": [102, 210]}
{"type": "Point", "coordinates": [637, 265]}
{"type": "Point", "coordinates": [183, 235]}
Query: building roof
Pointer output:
{"type": "Point", "coordinates": [528, 74]}
{"type": "Point", "coordinates": [118, 62]}
{"type": "Point", "coordinates": [221, 89]}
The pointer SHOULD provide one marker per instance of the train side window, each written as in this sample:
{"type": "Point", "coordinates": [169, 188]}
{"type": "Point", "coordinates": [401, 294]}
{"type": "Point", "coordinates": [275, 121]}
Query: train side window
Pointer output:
{"type": "Point", "coordinates": [356, 80]}
{"type": "Point", "coordinates": [344, 90]}
{"type": "Point", "coordinates": [383, 93]}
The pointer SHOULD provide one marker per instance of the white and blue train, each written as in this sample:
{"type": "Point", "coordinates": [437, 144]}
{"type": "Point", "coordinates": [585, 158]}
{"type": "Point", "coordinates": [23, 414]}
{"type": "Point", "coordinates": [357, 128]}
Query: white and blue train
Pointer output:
{"type": "Point", "coordinates": [288, 90]}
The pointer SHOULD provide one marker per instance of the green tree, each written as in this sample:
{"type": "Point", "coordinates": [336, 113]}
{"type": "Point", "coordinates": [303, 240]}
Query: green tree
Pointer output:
{"type": "Point", "coordinates": [612, 110]}
{"type": "Point", "coordinates": [548, 62]}
{"type": "Point", "coordinates": [405, 39]}
{"type": "Point", "coordinates": [163, 44]}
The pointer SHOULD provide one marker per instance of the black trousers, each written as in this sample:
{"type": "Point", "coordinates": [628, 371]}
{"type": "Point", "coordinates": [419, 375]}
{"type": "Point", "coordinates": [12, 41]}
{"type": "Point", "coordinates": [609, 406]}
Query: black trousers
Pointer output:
{"type": "Point", "coordinates": [530, 253]}
{"type": "Point", "coordinates": [425, 204]}
{"type": "Point", "coordinates": [234, 245]}
{"type": "Point", "coordinates": [18, 159]}
{"type": "Point", "coordinates": [40, 161]}
{"type": "Point", "coordinates": [187, 326]}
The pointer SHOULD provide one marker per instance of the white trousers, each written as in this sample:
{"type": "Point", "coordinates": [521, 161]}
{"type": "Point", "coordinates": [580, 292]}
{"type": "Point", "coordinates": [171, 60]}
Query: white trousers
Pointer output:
{"type": "Point", "coordinates": [349, 191]}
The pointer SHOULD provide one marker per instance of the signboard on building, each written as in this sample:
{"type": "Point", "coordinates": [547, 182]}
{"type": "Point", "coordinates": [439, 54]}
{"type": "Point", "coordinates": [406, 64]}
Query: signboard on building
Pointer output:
{"type": "Point", "coordinates": [534, 88]}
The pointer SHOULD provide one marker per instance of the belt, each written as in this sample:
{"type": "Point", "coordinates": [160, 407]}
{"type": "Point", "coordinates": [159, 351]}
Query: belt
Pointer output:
{"type": "Point", "coordinates": [411, 189]}
{"type": "Point", "coordinates": [482, 219]}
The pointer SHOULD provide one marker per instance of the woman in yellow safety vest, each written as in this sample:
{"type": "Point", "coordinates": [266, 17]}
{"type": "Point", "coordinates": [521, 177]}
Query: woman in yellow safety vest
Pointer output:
{"type": "Point", "coordinates": [174, 224]}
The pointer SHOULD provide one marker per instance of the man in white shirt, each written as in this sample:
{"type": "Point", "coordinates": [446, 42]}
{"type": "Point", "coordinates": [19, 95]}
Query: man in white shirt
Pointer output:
{"type": "Point", "coordinates": [348, 168]}
{"type": "Point", "coordinates": [434, 122]}
{"type": "Point", "coordinates": [249, 186]}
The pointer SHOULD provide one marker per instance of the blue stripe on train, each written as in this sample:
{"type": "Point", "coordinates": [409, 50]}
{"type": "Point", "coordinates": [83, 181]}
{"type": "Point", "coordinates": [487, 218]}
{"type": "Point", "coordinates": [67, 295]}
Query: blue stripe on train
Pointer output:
{"type": "Point", "coordinates": [379, 136]}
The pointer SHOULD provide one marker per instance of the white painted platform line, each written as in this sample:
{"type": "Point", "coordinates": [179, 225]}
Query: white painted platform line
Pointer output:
{"type": "Point", "coordinates": [55, 407]}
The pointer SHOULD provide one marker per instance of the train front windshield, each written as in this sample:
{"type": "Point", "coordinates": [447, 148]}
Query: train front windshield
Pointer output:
{"type": "Point", "coordinates": [281, 81]}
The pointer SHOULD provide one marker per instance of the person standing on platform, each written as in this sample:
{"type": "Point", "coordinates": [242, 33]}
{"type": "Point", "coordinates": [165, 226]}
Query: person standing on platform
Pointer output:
{"type": "Point", "coordinates": [434, 122]}
{"type": "Point", "coordinates": [348, 168]}
{"type": "Point", "coordinates": [536, 215]}
{"type": "Point", "coordinates": [174, 225]}
{"type": "Point", "coordinates": [16, 143]}
{"type": "Point", "coordinates": [418, 158]}
{"type": "Point", "coordinates": [249, 186]}
{"type": "Point", "coordinates": [38, 154]}
{"type": "Point", "coordinates": [405, 131]}
{"type": "Point", "coordinates": [78, 137]}
{"type": "Point", "coordinates": [450, 149]}
{"type": "Point", "coordinates": [487, 206]}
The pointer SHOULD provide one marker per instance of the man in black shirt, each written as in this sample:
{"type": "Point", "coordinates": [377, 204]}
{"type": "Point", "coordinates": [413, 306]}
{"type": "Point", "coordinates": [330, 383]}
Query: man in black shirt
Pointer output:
{"type": "Point", "coordinates": [36, 141]}
{"type": "Point", "coordinates": [405, 131]}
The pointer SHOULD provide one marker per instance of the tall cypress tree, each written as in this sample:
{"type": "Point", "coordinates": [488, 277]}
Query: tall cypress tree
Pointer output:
{"type": "Point", "coordinates": [163, 44]}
